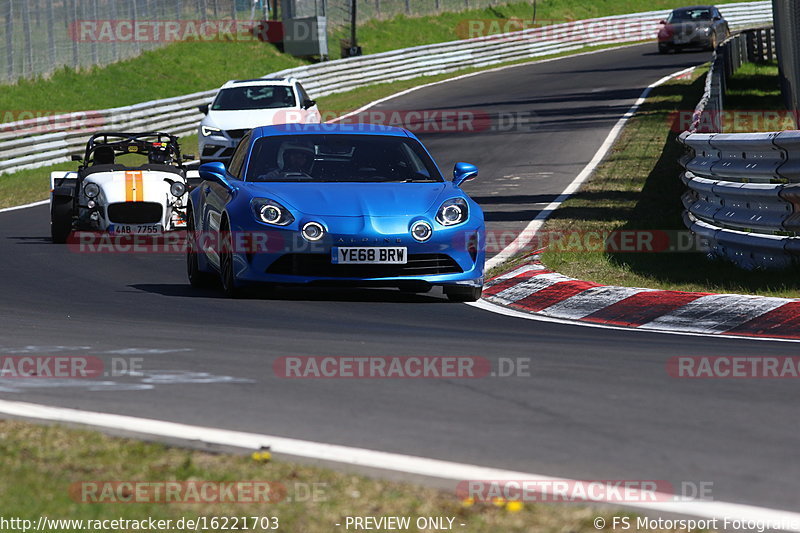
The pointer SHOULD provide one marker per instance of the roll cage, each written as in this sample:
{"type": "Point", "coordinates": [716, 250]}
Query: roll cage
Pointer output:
{"type": "Point", "coordinates": [161, 149]}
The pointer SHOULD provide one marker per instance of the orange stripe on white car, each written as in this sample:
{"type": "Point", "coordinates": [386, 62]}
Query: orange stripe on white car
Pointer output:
{"type": "Point", "coordinates": [134, 186]}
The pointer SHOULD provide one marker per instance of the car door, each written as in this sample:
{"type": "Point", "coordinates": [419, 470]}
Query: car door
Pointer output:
{"type": "Point", "coordinates": [216, 197]}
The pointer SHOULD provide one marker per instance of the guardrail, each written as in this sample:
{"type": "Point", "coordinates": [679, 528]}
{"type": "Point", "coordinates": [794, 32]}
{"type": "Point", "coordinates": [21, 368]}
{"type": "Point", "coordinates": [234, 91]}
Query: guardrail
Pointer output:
{"type": "Point", "coordinates": [755, 45]}
{"type": "Point", "coordinates": [744, 195]}
{"type": "Point", "coordinates": [39, 142]}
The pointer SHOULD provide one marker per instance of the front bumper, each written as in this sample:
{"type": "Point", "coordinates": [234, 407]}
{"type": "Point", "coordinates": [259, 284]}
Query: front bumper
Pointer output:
{"type": "Point", "coordinates": [452, 256]}
{"type": "Point", "coordinates": [694, 41]}
{"type": "Point", "coordinates": [217, 147]}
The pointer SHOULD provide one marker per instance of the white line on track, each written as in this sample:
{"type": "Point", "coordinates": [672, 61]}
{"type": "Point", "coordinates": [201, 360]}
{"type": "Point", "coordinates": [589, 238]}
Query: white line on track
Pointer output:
{"type": "Point", "coordinates": [534, 225]}
{"type": "Point", "coordinates": [15, 208]}
{"type": "Point", "coordinates": [501, 310]}
{"type": "Point", "coordinates": [429, 468]}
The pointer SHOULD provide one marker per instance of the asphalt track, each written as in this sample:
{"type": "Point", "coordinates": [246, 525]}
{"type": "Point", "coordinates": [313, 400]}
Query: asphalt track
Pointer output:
{"type": "Point", "coordinates": [599, 404]}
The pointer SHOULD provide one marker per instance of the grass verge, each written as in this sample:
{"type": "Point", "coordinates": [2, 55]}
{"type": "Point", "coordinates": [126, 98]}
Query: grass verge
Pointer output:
{"type": "Point", "coordinates": [315, 499]}
{"type": "Point", "coordinates": [637, 188]}
{"type": "Point", "coordinates": [753, 101]}
{"type": "Point", "coordinates": [31, 185]}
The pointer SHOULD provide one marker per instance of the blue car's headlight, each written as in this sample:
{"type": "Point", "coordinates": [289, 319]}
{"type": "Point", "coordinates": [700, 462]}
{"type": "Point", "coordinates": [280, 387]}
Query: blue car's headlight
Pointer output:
{"type": "Point", "coordinates": [453, 211]}
{"type": "Point", "coordinates": [270, 212]}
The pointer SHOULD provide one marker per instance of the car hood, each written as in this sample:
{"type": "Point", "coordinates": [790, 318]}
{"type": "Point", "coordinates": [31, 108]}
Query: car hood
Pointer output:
{"type": "Point", "coordinates": [138, 186]}
{"type": "Point", "coordinates": [353, 199]}
{"type": "Point", "coordinates": [248, 119]}
{"type": "Point", "coordinates": [690, 26]}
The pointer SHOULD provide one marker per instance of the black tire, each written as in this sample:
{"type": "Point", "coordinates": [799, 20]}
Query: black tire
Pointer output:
{"type": "Point", "coordinates": [197, 278]}
{"type": "Point", "coordinates": [712, 44]}
{"type": "Point", "coordinates": [226, 274]}
{"type": "Point", "coordinates": [463, 294]}
{"type": "Point", "coordinates": [60, 219]}
{"type": "Point", "coordinates": [663, 49]}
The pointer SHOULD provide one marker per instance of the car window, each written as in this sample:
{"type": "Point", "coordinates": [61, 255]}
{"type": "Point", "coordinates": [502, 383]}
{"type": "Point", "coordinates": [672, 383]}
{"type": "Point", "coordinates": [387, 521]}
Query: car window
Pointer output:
{"type": "Point", "coordinates": [259, 97]}
{"type": "Point", "coordinates": [689, 15]}
{"type": "Point", "coordinates": [237, 160]}
{"type": "Point", "coordinates": [341, 158]}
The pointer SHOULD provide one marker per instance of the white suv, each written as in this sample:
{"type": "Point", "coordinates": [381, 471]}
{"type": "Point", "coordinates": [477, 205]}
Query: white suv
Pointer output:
{"type": "Point", "coordinates": [241, 105]}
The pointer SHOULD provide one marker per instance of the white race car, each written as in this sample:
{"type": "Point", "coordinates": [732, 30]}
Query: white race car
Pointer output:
{"type": "Point", "coordinates": [127, 183]}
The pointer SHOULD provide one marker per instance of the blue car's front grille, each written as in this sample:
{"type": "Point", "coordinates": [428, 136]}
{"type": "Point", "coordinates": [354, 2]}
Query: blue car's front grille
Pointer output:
{"type": "Point", "coordinates": [319, 265]}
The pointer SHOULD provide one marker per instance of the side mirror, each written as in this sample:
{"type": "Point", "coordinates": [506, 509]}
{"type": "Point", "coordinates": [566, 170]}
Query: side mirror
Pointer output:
{"type": "Point", "coordinates": [662, 21]}
{"type": "Point", "coordinates": [203, 109]}
{"type": "Point", "coordinates": [77, 158]}
{"type": "Point", "coordinates": [717, 18]}
{"type": "Point", "coordinates": [464, 172]}
{"type": "Point", "coordinates": [309, 103]}
{"type": "Point", "coordinates": [215, 172]}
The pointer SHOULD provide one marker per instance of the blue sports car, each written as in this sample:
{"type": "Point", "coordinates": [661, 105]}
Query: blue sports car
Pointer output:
{"type": "Point", "coordinates": [351, 204]}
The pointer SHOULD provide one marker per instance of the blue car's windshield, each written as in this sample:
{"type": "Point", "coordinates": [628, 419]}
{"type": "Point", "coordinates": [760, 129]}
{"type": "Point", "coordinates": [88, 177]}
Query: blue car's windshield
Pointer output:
{"type": "Point", "coordinates": [254, 97]}
{"type": "Point", "coordinates": [340, 158]}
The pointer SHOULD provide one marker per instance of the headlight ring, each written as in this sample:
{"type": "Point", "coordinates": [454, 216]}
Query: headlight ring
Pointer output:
{"type": "Point", "coordinates": [91, 190]}
{"type": "Point", "coordinates": [177, 189]}
{"type": "Point", "coordinates": [421, 231]}
{"type": "Point", "coordinates": [270, 212]}
{"type": "Point", "coordinates": [453, 211]}
{"type": "Point", "coordinates": [313, 231]}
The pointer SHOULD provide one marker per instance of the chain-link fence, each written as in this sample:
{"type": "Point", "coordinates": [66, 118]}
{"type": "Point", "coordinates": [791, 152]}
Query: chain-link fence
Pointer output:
{"type": "Point", "coordinates": [44, 35]}
{"type": "Point", "coordinates": [339, 10]}
{"type": "Point", "coordinates": [787, 39]}
{"type": "Point", "coordinates": [41, 36]}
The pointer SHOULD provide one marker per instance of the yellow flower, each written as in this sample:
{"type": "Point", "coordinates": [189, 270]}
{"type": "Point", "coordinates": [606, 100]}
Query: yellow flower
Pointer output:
{"type": "Point", "coordinates": [261, 457]}
{"type": "Point", "coordinates": [514, 507]}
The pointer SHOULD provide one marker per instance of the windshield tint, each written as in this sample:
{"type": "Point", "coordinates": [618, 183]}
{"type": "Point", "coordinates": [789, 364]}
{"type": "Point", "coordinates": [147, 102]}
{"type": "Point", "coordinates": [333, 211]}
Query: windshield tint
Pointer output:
{"type": "Point", "coordinates": [690, 15]}
{"type": "Point", "coordinates": [262, 97]}
{"type": "Point", "coordinates": [341, 158]}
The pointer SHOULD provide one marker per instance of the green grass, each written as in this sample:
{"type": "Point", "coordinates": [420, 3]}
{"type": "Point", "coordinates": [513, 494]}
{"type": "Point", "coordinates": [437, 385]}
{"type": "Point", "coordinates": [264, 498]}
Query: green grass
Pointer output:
{"type": "Point", "coordinates": [752, 94]}
{"type": "Point", "coordinates": [177, 69]}
{"type": "Point", "coordinates": [42, 464]}
{"type": "Point", "coordinates": [637, 187]}
{"type": "Point", "coordinates": [402, 31]}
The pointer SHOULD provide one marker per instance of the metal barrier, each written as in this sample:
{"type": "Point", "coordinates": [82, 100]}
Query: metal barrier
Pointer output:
{"type": "Point", "coordinates": [755, 45]}
{"type": "Point", "coordinates": [744, 195]}
{"type": "Point", "coordinates": [39, 142]}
